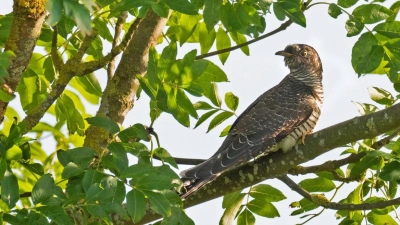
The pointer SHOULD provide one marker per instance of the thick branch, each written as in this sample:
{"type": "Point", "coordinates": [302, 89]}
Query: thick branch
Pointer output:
{"type": "Point", "coordinates": [28, 18]}
{"type": "Point", "coordinates": [118, 97]}
{"type": "Point", "coordinates": [278, 164]}
{"type": "Point", "coordinates": [321, 201]}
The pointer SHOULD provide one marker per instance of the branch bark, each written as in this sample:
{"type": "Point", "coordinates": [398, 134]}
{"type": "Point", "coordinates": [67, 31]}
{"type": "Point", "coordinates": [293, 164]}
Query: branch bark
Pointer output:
{"type": "Point", "coordinates": [28, 18]}
{"type": "Point", "coordinates": [278, 164]}
{"type": "Point", "coordinates": [118, 97]}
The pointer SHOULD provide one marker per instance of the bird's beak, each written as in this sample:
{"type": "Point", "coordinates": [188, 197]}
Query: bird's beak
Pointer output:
{"type": "Point", "coordinates": [283, 53]}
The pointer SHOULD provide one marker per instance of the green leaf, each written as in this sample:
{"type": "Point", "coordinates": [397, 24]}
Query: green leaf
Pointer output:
{"type": "Point", "coordinates": [36, 168]}
{"type": "Point", "coordinates": [263, 208]}
{"type": "Point", "coordinates": [353, 26]}
{"type": "Point", "coordinates": [202, 106]}
{"type": "Point", "coordinates": [211, 13]}
{"type": "Point", "coordinates": [91, 177]}
{"type": "Point", "coordinates": [232, 101]}
{"type": "Point", "coordinates": [135, 131]}
{"type": "Point", "coordinates": [32, 90]}
{"type": "Point", "coordinates": [66, 110]}
{"type": "Point", "coordinates": [381, 96]}
{"type": "Point", "coordinates": [43, 189]}
{"type": "Point", "coordinates": [380, 219]}
{"type": "Point", "coordinates": [371, 13]}
{"type": "Point", "coordinates": [5, 62]}
{"type": "Point", "coordinates": [218, 119]}
{"type": "Point", "coordinates": [4, 96]}
{"type": "Point", "coordinates": [395, 8]}
{"type": "Point", "coordinates": [204, 117]}
{"type": "Point", "coordinates": [291, 10]}
{"type": "Point", "coordinates": [55, 9]}
{"type": "Point", "coordinates": [239, 38]}
{"type": "Point", "coordinates": [56, 214]}
{"type": "Point", "coordinates": [389, 29]}
{"type": "Point", "coordinates": [318, 184]}
{"type": "Point", "coordinates": [164, 155]}
{"type": "Point", "coordinates": [246, 218]}
{"type": "Point", "coordinates": [366, 54]}
{"type": "Point", "coordinates": [223, 42]}
{"type": "Point", "coordinates": [278, 11]}
{"type": "Point", "coordinates": [159, 203]}
{"type": "Point", "coordinates": [392, 189]}
{"type": "Point", "coordinates": [334, 10]}
{"type": "Point", "coordinates": [91, 98]}
{"type": "Point", "coordinates": [119, 156]}
{"type": "Point", "coordinates": [185, 103]}
{"type": "Point", "coordinates": [71, 170]}
{"type": "Point", "coordinates": [101, 26]}
{"type": "Point", "coordinates": [177, 216]}
{"type": "Point", "coordinates": [391, 171]}
{"type": "Point", "coordinates": [248, 14]}
{"type": "Point", "coordinates": [347, 3]}
{"type": "Point", "coordinates": [365, 108]}
{"type": "Point", "coordinates": [183, 6]}
{"type": "Point", "coordinates": [10, 189]}
{"type": "Point", "coordinates": [105, 123]}
{"type": "Point", "coordinates": [225, 131]}
{"type": "Point", "coordinates": [126, 5]}
{"type": "Point", "coordinates": [266, 192]}
{"type": "Point", "coordinates": [231, 203]}
{"type": "Point", "coordinates": [214, 94]}
{"type": "Point", "coordinates": [206, 37]}
{"type": "Point", "coordinates": [99, 212]}
{"type": "Point", "coordinates": [79, 13]}
{"type": "Point", "coordinates": [3, 168]}
{"type": "Point", "coordinates": [90, 84]}
{"type": "Point", "coordinates": [371, 159]}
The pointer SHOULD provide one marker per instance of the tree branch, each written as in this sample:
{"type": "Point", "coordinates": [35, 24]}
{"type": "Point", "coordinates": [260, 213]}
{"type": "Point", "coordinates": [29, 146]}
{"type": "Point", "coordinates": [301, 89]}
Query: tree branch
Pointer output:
{"type": "Point", "coordinates": [324, 202]}
{"type": "Point", "coordinates": [279, 163]}
{"type": "Point", "coordinates": [282, 27]}
{"type": "Point", "coordinates": [27, 20]}
{"type": "Point", "coordinates": [118, 29]}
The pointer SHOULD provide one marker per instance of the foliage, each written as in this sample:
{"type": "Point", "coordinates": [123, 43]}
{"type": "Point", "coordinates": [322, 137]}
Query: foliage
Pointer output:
{"type": "Point", "coordinates": [38, 185]}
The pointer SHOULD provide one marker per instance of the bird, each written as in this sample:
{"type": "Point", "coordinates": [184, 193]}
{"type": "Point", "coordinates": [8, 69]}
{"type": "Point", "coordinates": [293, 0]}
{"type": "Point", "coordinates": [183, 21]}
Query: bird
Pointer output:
{"type": "Point", "coordinates": [277, 120]}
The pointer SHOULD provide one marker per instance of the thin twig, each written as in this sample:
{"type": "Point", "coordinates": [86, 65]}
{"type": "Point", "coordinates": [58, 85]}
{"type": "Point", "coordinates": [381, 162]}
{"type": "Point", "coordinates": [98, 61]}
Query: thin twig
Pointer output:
{"type": "Point", "coordinates": [334, 205]}
{"type": "Point", "coordinates": [118, 29]}
{"type": "Point", "coordinates": [55, 57]}
{"type": "Point", "coordinates": [282, 27]}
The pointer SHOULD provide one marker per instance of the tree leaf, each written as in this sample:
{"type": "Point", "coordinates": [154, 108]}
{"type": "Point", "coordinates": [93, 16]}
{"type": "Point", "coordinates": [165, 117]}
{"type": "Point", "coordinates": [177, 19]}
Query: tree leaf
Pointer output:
{"type": "Point", "coordinates": [246, 218]}
{"type": "Point", "coordinates": [206, 37]}
{"type": "Point", "coordinates": [204, 117]}
{"type": "Point", "coordinates": [66, 110]}
{"type": "Point", "coordinates": [231, 203]}
{"type": "Point", "coordinates": [376, 219]}
{"type": "Point", "coordinates": [10, 189]}
{"type": "Point", "coordinates": [391, 171]}
{"type": "Point", "coordinates": [225, 131]}
{"type": "Point", "coordinates": [79, 13]}
{"type": "Point", "coordinates": [291, 10]}
{"type": "Point", "coordinates": [223, 42]}
{"type": "Point", "coordinates": [371, 13]}
{"type": "Point", "coordinates": [159, 203]}
{"type": "Point", "coordinates": [202, 106]}
{"type": "Point", "coordinates": [105, 123]}
{"type": "Point", "coordinates": [135, 131]}
{"type": "Point", "coordinates": [353, 26]}
{"type": "Point", "coordinates": [239, 38]}
{"type": "Point", "coordinates": [164, 155]}
{"type": "Point", "coordinates": [5, 62]}
{"type": "Point", "coordinates": [318, 184]}
{"type": "Point", "coordinates": [371, 159]}
{"type": "Point", "coordinates": [366, 54]}
{"type": "Point", "coordinates": [395, 8]}
{"type": "Point", "coordinates": [218, 119]}
{"type": "Point", "coordinates": [55, 9]}
{"type": "Point", "coordinates": [389, 29]}
{"type": "Point", "coordinates": [56, 213]}
{"type": "Point", "coordinates": [91, 177]}
{"type": "Point", "coordinates": [365, 108]}
{"type": "Point", "coordinates": [266, 192]}
{"type": "Point", "coordinates": [71, 170]}
{"type": "Point", "coordinates": [381, 96]}
{"type": "Point", "coordinates": [263, 208]}
{"type": "Point", "coordinates": [183, 6]}
{"type": "Point", "coordinates": [278, 11]}
{"type": "Point", "coordinates": [334, 10]}
{"type": "Point", "coordinates": [232, 101]}
{"type": "Point", "coordinates": [211, 13]}
{"type": "Point", "coordinates": [347, 3]}
{"type": "Point", "coordinates": [178, 216]}
{"type": "Point", "coordinates": [43, 189]}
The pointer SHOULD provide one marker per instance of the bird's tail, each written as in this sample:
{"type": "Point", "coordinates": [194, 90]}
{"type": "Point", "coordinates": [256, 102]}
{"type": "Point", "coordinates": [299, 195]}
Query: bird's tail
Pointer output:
{"type": "Point", "coordinates": [190, 185]}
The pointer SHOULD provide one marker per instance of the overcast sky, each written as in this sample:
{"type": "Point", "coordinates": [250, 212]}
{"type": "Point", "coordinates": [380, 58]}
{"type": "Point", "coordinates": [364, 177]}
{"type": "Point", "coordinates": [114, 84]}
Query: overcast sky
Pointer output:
{"type": "Point", "coordinates": [252, 75]}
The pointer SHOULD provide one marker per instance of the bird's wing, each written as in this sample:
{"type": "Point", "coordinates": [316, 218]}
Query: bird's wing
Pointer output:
{"type": "Point", "coordinates": [267, 121]}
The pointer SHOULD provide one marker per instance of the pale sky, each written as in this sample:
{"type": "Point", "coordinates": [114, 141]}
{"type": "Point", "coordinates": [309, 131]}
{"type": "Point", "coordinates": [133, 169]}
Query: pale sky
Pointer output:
{"type": "Point", "coordinates": [252, 75]}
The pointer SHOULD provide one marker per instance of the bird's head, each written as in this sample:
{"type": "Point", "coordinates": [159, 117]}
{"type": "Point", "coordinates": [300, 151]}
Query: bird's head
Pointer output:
{"type": "Point", "coordinates": [301, 57]}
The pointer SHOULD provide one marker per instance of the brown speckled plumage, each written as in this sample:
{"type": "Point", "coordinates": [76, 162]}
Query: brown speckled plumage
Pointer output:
{"type": "Point", "coordinates": [275, 120]}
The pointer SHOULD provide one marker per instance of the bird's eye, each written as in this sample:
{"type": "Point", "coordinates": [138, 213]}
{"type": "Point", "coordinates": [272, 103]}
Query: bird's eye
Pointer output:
{"type": "Point", "coordinates": [303, 53]}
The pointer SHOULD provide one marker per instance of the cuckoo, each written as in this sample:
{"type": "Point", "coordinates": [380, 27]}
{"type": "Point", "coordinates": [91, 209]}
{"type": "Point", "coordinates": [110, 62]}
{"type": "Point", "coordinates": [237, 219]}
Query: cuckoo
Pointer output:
{"type": "Point", "coordinates": [277, 120]}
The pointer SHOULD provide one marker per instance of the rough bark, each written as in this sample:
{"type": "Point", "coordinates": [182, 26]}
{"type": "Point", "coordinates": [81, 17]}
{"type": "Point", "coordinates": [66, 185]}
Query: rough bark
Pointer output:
{"type": "Point", "coordinates": [278, 164]}
{"type": "Point", "coordinates": [28, 18]}
{"type": "Point", "coordinates": [118, 97]}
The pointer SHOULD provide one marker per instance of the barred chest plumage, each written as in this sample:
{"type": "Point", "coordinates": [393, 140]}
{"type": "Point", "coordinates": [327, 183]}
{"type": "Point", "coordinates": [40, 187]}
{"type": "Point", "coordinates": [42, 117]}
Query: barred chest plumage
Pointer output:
{"type": "Point", "coordinates": [305, 128]}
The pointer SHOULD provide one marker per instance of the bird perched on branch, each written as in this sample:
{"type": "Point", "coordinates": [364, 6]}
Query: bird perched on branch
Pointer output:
{"type": "Point", "coordinates": [276, 120]}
